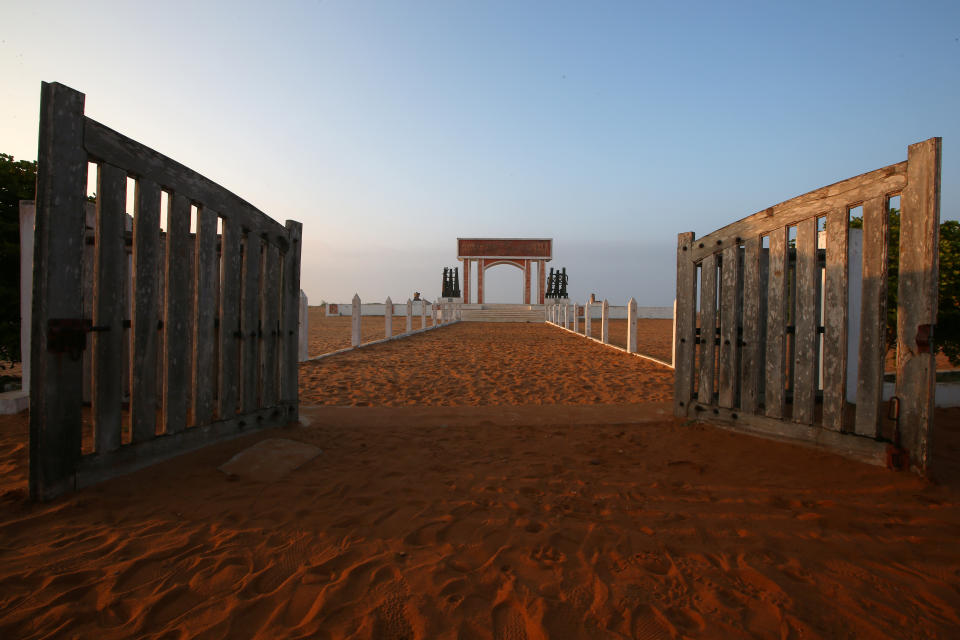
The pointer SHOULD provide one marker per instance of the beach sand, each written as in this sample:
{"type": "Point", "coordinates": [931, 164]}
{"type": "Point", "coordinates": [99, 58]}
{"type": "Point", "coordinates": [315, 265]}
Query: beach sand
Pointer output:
{"type": "Point", "coordinates": [476, 513]}
{"type": "Point", "coordinates": [332, 333]}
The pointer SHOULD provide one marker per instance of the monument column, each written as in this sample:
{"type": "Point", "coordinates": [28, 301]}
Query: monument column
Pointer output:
{"type": "Point", "coordinates": [542, 285]}
{"type": "Point", "coordinates": [526, 282]}
{"type": "Point", "coordinates": [480, 265]}
{"type": "Point", "coordinates": [466, 280]}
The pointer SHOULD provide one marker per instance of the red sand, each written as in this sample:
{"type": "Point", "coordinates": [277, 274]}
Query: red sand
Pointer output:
{"type": "Point", "coordinates": [332, 333]}
{"type": "Point", "coordinates": [578, 520]}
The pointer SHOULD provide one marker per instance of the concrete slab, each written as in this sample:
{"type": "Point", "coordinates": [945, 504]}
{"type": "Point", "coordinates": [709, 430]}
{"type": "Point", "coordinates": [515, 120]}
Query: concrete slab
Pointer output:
{"type": "Point", "coordinates": [14, 401]}
{"type": "Point", "coordinates": [269, 460]}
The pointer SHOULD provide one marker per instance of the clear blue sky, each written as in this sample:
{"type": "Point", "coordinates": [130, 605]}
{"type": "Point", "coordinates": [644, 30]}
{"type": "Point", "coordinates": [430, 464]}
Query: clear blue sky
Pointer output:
{"type": "Point", "coordinates": [391, 128]}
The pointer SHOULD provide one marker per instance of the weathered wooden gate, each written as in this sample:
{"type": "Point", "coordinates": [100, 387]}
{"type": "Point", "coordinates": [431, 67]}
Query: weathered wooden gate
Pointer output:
{"type": "Point", "coordinates": [212, 348]}
{"type": "Point", "coordinates": [748, 347]}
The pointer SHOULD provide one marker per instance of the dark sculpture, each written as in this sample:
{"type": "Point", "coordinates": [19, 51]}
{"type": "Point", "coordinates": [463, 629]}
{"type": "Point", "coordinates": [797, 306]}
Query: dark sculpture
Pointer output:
{"type": "Point", "coordinates": [451, 282]}
{"type": "Point", "coordinates": [557, 284]}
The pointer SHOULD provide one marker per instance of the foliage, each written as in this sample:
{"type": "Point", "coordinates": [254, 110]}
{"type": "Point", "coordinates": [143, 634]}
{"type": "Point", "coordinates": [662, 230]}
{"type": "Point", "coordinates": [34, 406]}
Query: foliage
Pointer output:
{"type": "Point", "coordinates": [17, 182]}
{"type": "Point", "coordinates": [947, 332]}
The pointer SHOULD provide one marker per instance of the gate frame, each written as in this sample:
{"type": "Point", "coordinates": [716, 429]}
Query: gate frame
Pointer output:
{"type": "Point", "coordinates": [68, 140]}
{"type": "Point", "coordinates": [917, 181]}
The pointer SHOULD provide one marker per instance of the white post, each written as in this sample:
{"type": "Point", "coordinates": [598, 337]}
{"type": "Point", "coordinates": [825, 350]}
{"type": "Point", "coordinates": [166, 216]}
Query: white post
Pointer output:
{"type": "Point", "coordinates": [632, 326]}
{"type": "Point", "coordinates": [388, 318]}
{"type": "Point", "coordinates": [605, 322]}
{"type": "Point", "coordinates": [28, 214]}
{"type": "Point", "coordinates": [673, 342]}
{"type": "Point", "coordinates": [355, 325]}
{"type": "Point", "coordinates": [423, 314]}
{"type": "Point", "coordinates": [433, 313]}
{"type": "Point", "coordinates": [409, 315]}
{"type": "Point", "coordinates": [303, 342]}
{"type": "Point", "coordinates": [576, 323]}
{"type": "Point", "coordinates": [563, 314]}
{"type": "Point", "coordinates": [459, 311]}
{"type": "Point", "coordinates": [587, 324]}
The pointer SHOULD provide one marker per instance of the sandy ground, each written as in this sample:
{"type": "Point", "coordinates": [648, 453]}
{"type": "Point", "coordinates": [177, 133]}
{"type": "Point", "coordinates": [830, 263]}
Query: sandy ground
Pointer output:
{"type": "Point", "coordinates": [333, 333]}
{"type": "Point", "coordinates": [472, 363]}
{"type": "Point", "coordinates": [469, 516]}
{"type": "Point", "coordinates": [654, 335]}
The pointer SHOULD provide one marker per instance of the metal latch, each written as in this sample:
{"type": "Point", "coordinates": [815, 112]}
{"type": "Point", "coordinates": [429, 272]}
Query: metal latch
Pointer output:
{"type": "Point", "coordinates": [67, 335]}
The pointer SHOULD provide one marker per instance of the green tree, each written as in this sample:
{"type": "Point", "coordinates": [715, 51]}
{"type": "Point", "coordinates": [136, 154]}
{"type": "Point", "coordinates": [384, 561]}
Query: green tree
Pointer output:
{"type": "Point", "coordinates": [947, 333]}
{"type": "Point", "coordinates": [18, 181]}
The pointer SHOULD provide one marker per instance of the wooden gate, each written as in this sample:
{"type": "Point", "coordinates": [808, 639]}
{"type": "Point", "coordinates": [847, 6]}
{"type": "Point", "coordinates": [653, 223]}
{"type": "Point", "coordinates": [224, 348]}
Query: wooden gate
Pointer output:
{"type": "Point", "coordinates": [209, 317]}
{"type": "Point", "coordinates": [773, 297]}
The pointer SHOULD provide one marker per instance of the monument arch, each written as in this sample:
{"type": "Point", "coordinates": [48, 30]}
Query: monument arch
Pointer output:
{"type": "Point", "coordinates": [523, 253]}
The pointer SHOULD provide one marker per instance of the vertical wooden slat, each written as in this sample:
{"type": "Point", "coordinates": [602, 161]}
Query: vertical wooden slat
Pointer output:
{"type": "Point", "coordinates": [161, 307]}
{"type": "Point", "coordinates": [291, 290]}
{"type": "Point", "coordinates": [751, 353]}
{"type": "Point", "coordinates": [835, 321]}
{"type": "Point", "coordinates": [873, 317]}
{"type": "Point", "coordinates": [108, 307]}
{"type": "Point", "coordinates": [708, 328]}
{"type": "Point", "coordinates": [189, 335]}
{"type": "Point", "coordinates": [269, 321]}
{"type": "Point", "coordinates": [685, 323]}
{"type": "Point", "coordinates": [143, 324]}
{"type": "Point", "coordinates": [729, 323]}
{"type": "Point", "coordinates": [775, 363]}
{"type": "Point", "coordinates": [917, 298]}
{"type": "Point", "coordinates": [807, 321]}
{"type": "Point", "coordinates": [89, 251]}
{"type": "Point", "coordinates": [230, 327]}
{"type": "Point", "coordinates": [55, 395]}
{"type": "Point", "coordinates": [176, 315]}
{"type": "Point", "coordinates": [204, 311]}
{"type": "Point", "coordinates": [250, 324]}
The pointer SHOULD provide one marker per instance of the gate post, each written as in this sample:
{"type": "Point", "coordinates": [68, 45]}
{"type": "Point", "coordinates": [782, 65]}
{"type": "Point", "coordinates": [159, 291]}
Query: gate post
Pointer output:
{"type": "Point", "coordinates": [56, 378]}
{"type": "Point", "coordinates": [917, 299]}
{"type": "Point", "coordinates": [685, 325]}
{"type": "Point", "coordinates": [293, 331]}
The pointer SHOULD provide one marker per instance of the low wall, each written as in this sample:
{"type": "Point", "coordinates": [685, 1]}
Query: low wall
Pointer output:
{"type": "Point", "coordinates": [376, 308]}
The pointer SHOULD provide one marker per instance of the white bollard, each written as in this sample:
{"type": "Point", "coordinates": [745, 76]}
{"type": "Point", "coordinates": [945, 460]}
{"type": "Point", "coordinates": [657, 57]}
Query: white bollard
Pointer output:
{"type": "Point", "coordinates": [673, 342]}
{"type": "Point", "coordinates": [605, 322]}
{"type": "Point", "coordinates": [423, 314]}
{"type": "Point", "coordinates": [388, 318]}
{"type": "Point", "coordinates": [355, 324]}
{"type": "Point", "coordinates": [587, 325]}
{"type": "Point", "coordinates": [409, 315]}
{"type": "Point", "coordinates": [303, 342]}
{"type": "Point", "coordinates": [576, 323]}
{"type": "Point", "coordinates": [632, 326]}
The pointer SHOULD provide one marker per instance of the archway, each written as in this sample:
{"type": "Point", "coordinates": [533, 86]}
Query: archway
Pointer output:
{"type": "Point", "coordinates": [501, 284]}
{"type": "Point", "coordinates": [524, 253]}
